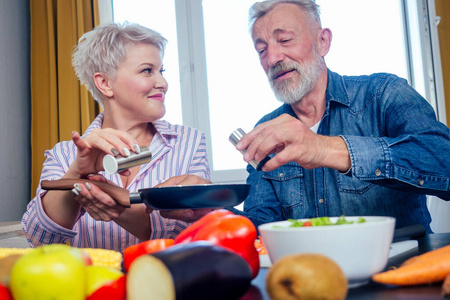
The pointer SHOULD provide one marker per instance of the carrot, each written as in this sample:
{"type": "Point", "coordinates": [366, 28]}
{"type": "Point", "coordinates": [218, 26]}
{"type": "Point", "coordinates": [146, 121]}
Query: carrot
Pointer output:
{"type": "Point", "coordinates": [428, 255]}
{"type": "Point", "coordinates": [446, 286]}
{"type": "Point", "coordinates": [259, 245]}
{"type": "Point", "coordinates": [433, 269]}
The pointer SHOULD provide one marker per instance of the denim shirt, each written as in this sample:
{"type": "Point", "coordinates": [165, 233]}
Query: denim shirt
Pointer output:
{"type": "Point", "coordinates": [399, 153]}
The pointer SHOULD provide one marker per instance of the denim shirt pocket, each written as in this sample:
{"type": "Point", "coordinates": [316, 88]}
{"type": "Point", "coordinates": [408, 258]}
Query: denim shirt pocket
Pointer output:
{"type": "Point", "coordinates": [351, 185]}
{"type": "Point", "coordinates": [288, 183]}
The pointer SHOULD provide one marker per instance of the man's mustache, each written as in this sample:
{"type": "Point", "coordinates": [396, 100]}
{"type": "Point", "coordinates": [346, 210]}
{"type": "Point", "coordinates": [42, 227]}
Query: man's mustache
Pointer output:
{"type": "Point", "coordinates": [282, 68]}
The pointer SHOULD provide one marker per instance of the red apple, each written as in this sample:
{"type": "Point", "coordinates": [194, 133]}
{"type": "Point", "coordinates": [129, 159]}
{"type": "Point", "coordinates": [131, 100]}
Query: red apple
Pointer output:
{"type": "Point", "coordinates": [105, 283]}
{"type": "Point", "coordinates": [5, 294]}
{"type": "Point", "coordinates": [86, 257]}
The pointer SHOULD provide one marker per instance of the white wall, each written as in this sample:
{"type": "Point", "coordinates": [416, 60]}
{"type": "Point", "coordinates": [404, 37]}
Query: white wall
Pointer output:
{"type": "Point", "coordinates": [14, 108]}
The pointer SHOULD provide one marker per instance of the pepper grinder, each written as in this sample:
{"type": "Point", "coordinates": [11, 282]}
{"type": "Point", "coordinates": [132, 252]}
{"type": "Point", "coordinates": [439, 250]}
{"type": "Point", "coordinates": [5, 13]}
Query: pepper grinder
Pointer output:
{"type": "Point", "coordinates": [235, 137]}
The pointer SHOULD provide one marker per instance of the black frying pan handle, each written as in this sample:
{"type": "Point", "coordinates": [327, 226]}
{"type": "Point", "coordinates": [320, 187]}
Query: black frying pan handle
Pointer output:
{"type": "Point", "coordinates": [409, 232]}
{"type": "Point", "coordinates": [119, 194]}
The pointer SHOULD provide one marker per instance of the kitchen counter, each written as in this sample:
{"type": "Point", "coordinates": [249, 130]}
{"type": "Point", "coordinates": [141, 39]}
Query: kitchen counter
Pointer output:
{"type": "Point", "coordinates": [12, 236]}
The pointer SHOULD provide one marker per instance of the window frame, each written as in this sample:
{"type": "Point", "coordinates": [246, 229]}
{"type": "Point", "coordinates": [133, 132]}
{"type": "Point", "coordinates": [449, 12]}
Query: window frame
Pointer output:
{"type": "Point", "coordinates": [193, 71]}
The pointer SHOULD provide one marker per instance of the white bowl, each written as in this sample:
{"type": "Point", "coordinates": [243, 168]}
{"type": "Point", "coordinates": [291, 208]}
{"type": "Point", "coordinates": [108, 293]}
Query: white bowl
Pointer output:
{"type": "Point", "coordinates": [360, 249]}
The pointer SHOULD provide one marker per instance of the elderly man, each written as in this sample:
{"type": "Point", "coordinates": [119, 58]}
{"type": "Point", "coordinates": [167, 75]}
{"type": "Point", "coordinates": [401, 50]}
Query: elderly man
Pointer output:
{"type": "Point", "coordinates": [339, 145]}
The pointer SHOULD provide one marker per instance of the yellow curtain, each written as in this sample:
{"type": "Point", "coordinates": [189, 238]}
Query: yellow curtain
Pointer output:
{"type": "Point", "coordinates": [443, 10]}
{"type": "Point", "coordinates": [59, 105]}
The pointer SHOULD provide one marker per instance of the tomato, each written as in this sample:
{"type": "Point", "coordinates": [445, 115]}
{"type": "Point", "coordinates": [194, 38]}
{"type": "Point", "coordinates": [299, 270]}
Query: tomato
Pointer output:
{"type": "Point", "coordinates": [151, 246]}
{"type": "Point", "coordinates": [307, 224]}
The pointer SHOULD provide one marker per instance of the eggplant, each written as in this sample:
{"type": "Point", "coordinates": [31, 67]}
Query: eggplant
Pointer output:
{"type": "Point", "coordinates": [198, 270]}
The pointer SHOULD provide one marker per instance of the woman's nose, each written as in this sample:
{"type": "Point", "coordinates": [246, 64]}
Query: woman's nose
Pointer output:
{"type": "Point", "coordinates": [161, 83]}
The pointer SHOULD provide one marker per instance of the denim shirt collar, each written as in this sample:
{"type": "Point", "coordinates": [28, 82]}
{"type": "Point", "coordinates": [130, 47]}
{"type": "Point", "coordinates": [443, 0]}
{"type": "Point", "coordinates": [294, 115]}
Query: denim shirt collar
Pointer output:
{"type": "Point", "coordinates": [336, 90]}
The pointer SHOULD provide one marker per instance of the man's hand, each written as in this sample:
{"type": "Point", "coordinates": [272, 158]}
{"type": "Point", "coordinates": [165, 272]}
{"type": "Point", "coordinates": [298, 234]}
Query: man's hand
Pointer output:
{"type": "Point", "coordinates": [292, 140]}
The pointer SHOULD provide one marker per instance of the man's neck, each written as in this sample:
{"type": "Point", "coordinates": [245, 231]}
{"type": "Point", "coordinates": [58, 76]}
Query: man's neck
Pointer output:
{"type": "Point", "coordinates": [311, 108]}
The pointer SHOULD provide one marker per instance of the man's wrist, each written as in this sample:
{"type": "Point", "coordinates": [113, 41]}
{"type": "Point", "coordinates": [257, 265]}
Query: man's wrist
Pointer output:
{"type": "Point", "coordinates": [339, 158]}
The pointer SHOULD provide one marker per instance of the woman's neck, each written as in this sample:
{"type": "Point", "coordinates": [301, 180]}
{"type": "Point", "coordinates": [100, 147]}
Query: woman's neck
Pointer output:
{"type": "Point", "coordinates": [142, 132]}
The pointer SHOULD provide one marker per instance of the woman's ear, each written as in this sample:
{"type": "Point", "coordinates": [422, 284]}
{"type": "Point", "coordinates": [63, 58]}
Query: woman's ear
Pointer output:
{"type": "Point", "coordinates": [103, 84]}
{"type": "Point", "coordinates": [324, 41]}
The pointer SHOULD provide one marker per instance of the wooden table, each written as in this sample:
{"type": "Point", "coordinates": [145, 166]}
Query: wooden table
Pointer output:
{"type": "Point", "coordinates": [374, 290]}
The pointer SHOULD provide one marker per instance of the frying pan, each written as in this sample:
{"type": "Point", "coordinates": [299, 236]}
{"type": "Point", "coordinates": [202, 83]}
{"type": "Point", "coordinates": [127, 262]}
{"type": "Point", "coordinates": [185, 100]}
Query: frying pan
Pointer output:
{"type": "Point", "coordinates": [168, 197]}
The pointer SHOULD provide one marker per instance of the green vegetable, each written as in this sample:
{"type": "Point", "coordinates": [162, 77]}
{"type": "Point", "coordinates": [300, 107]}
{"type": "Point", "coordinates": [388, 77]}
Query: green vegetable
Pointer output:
{"type": "Point", "coordinates": [323, 221]}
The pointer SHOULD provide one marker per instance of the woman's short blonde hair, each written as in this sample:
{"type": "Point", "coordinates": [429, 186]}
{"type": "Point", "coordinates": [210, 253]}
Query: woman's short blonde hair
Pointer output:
{"type": "Point", "coordinates": [104, 48]}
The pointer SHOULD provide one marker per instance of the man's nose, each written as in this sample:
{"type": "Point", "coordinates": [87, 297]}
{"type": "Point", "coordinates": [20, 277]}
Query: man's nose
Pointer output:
{"type": "Point", "coordinates": [274, 56]}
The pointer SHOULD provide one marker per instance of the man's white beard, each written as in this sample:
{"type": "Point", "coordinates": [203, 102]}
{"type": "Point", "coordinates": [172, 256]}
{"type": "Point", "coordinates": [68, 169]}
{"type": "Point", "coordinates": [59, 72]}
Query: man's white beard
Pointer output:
{"type": "Point", "coordinates": [292, 90]}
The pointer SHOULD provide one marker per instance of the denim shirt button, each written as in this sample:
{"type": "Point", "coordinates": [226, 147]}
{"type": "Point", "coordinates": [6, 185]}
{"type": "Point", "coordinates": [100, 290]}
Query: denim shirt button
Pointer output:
{"type": "Point", "coordinates": [320, 201]}
{"type": "Point", "coordinates": [281, 175]}
{"type": "Point", "coordinates": [420, 182]}
{"type": "Point", "coordinates": [378, 172]}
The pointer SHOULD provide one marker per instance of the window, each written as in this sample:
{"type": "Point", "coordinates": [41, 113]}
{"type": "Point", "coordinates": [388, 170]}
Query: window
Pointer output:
{"type": "Point", "coordinates": [217, 85]}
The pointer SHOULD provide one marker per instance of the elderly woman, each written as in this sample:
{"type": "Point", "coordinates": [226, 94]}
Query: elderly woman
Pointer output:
{"type": "Point", "coordinates": [121, 65]}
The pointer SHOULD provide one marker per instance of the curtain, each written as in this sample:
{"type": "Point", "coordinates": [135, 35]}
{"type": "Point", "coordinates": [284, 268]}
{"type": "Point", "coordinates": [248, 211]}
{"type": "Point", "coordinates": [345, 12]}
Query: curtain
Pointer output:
{"type": "Point", "coordinates": [439, 209]}
{"type": "Point", "coordinates": [59, 105]}
{"type": "Point", "coordinates": [443, 10]}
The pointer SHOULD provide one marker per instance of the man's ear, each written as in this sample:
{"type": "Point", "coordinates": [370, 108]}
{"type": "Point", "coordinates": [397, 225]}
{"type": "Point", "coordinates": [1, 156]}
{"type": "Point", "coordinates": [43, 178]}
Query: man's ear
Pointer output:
{"type": "Point", "coordinates": [324, 41]}
{"type": "Point", "coordinates": [103, 84]}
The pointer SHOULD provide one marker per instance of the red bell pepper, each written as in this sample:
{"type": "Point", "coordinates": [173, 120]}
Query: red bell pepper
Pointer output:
{"type": "Point", "coordinates": [151, 246]}
{"type": "Point", "coordinates": [188, 234]}
{"type": "Point", "coordinates": [223, 228]}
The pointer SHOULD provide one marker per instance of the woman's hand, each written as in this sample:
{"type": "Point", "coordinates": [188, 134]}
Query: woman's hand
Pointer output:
{"type": "Point", "coordinates": [101, 206]}
{"type": "Point", "coordinates": [96, 145]}
{"type": "Point", "coordinates": [186, 215]}
{"type": "Point", "coordinates": [186, 179]}
{"type": "Point", "coordinates": [97, 203]}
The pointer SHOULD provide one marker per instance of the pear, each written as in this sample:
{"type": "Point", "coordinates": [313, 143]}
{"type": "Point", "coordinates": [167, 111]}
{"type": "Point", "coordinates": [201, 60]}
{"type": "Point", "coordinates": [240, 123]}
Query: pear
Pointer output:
{"type": "Point", "coordinates": [306, 277]}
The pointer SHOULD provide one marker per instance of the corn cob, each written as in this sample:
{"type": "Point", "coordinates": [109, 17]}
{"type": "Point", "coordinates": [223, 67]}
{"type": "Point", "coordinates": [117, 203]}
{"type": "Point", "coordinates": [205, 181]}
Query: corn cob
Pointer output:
{"type": "Point", "coordinates": [104, 257]}
{"type": "Point", "coordinates": [8, 251]}
{"type": "Point", "coordinates": [99, 257]}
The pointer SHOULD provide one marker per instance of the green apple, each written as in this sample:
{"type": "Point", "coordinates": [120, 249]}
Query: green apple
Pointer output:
{"type": "Point", "coordinates": [55, 271]}
{"type": "Point", "coordinates": [105, 283]}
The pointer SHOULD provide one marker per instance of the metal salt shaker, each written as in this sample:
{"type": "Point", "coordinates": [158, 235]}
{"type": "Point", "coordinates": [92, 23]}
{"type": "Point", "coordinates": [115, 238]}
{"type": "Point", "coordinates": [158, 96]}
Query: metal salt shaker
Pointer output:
{"type": "Point", "coordinates": [113, 164]}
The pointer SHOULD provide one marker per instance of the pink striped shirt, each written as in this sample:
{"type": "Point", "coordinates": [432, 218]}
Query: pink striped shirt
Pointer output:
{"type": "Point", "coordinates": [176, 150]}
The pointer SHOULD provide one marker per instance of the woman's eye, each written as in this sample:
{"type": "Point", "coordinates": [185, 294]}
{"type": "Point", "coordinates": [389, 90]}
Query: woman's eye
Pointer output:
{"type": "Point", "coordinates": [162, 71]}
{"type": "Point", "coordinates": [147, 70]}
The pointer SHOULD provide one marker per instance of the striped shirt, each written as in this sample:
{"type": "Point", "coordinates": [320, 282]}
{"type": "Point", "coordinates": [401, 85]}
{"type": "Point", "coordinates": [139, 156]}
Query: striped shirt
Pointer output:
{"type": "Point", "coordinates": [176, 150]}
